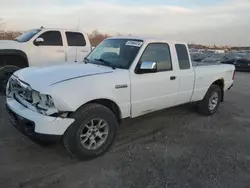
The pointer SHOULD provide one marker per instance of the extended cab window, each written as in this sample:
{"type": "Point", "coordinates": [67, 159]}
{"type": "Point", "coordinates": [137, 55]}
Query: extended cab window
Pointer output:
{"type": "Point", "coordinates": [75, 39]}
{"type": "Point", "coordinates": [159, 53]}
{"type": "Point", "coordinates": [183, 58]}
{"type": "Point", "coordinates": [51, 38]}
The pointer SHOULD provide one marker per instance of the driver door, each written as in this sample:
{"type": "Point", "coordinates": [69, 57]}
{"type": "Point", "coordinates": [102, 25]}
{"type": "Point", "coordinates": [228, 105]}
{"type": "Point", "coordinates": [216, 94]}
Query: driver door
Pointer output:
{"type": "Point", "coordinates": [158, 90]}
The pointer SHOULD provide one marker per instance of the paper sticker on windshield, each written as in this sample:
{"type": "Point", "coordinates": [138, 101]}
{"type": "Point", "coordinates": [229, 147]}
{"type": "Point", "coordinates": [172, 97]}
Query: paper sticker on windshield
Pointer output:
{"type": "Point", "coordinates": [134, 43]}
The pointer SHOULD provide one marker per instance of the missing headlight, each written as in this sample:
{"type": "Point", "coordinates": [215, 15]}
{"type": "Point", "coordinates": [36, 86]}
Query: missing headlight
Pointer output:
{"type": "Point", "coordinates": [46, 105]}
{"type": "Point", "coordinates": [45, 102]}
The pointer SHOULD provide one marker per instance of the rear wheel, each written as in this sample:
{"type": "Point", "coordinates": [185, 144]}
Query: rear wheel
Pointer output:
{"type": "Point", "coordinates": [211, 102]}
{"type": "Point", "coordinates": [92, 133]}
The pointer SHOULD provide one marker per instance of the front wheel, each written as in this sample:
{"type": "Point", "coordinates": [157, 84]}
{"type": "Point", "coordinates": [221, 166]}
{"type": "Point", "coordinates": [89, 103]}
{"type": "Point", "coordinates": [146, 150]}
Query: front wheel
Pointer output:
{"type": "Point", "coordinates": [211, 102]}
{"type": "Point", "coordinates": [92, 133]}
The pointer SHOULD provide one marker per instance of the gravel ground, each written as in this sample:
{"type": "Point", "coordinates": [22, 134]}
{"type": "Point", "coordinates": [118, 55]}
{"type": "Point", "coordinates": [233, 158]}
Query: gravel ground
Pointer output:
{"type": "Point", "coordinates": [173, 148]}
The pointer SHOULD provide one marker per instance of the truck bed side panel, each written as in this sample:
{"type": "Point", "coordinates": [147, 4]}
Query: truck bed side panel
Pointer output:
{"type": "Point", "coordinates": [206, 75]}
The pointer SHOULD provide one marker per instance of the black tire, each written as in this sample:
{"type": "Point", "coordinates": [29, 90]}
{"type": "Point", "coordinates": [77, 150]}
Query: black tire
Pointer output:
{"type": "Point", "coordinates": [203, 106]}
{"type": "Point", "coordinates": [71, 139]}
{"type": "Point", "coordinates": [5, 74]}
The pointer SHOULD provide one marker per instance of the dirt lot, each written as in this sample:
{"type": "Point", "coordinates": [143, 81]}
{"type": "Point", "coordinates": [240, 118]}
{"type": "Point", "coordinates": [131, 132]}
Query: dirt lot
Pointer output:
{"type": "Point", "coordinates": [172, 148]}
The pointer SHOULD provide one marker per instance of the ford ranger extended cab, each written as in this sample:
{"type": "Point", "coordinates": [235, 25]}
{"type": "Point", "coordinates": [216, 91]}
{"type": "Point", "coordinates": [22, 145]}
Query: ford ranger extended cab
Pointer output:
{"type": "Point", "coordinates": [123, 77]}
{"type": "Point", "coordinates": [39, 47]}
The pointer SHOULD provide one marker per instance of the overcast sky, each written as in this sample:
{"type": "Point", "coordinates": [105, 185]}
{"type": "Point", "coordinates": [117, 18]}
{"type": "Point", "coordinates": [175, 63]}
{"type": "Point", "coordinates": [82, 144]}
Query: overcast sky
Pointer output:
{"type": "Point", "coordinates": [197, 21]}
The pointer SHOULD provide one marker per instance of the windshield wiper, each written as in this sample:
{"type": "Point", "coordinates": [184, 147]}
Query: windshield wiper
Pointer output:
{"type": "Point", "coordinates": [106, 63]}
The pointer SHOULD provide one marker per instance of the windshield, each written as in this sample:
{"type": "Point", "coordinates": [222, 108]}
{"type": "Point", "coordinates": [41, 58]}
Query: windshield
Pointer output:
{"type": "Point", "coordinates": [116, 53]}
{"type": "Point", "coordinates": [25, 37]}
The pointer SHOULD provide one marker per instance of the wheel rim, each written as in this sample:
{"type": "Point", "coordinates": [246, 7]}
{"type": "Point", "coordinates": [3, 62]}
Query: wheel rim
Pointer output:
{"type": "Point", "coordinates": [94, 134]}
{"type": "Point", "coordinates": [213, 101]}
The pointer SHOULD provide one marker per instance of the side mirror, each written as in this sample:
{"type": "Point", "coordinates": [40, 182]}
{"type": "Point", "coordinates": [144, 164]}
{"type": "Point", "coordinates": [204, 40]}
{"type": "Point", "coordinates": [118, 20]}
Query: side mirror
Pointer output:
{"type": "Point", "coordinates": [38, 41]}
{"type": "Point", "coordinates": [147, 67]}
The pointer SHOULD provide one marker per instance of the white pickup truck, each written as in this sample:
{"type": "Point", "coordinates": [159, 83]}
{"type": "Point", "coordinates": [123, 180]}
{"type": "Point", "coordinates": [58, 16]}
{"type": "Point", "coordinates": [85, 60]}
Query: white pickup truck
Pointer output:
{"type": "Point", "coordinates": [41, 47]}
{"type": "Point", "coordinates": [123, 77]}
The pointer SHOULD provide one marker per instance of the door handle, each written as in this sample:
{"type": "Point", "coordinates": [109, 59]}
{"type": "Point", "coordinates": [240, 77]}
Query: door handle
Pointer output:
{"type": "Point", "coordinates": [60, 51]}
{"type": "Point", "coordinates": [172, 77]}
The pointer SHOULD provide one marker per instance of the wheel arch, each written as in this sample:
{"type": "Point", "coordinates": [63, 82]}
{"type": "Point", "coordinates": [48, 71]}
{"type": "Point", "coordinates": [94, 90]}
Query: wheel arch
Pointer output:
{"type": "Point", "coordinates": [110, 104]}
{"type": "Point", "coordinates": [220, 83]}
{"type": "Point", "coordinates": [15, 53]}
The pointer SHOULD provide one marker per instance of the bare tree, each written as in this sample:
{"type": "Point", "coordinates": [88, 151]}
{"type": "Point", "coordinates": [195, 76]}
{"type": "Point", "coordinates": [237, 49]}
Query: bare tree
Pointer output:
{"type": "Point", "coordinates": [7, 35]}
{"type": "Point", "coordinates": [96, 37]}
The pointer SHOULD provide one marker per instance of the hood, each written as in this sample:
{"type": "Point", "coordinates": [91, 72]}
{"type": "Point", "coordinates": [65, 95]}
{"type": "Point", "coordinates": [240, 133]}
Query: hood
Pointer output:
{"type": "Point", "coordinates": [40, 78]}
{"type": "Point", "coordinates": [4, 41]}
{"type": "Point", "coordinates": [8, 41]}
{"type": "Point", "coordinates": [8, 44]}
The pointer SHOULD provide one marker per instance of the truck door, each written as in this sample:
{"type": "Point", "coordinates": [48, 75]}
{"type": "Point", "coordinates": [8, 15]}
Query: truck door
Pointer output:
{"type": "Point", "coordinates": [154, 91]}
{"type": "Point", "coordinates": [50, 51]}
{"type": "Point", "coordinates": [77, 48]}
{"type": "Point", "coordinates": [185, 75]}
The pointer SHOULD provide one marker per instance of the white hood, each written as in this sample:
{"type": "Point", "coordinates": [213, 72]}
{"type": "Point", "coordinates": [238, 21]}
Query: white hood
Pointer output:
{"type": "Point", "coordinates": [9, 44]}
{"type": "Point", "coordinates": [41, 77]}
{"type": "Point", "coordinates": [7, 41]}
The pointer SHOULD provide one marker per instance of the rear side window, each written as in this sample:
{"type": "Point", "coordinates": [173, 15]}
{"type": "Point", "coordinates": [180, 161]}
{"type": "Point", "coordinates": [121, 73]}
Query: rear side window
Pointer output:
{"type": "Point", "coordinates": [75, 39]}
{"type": "Point", "coordinates": [51, 38]}
{"type": "Point", "coordinates": [183, 58]}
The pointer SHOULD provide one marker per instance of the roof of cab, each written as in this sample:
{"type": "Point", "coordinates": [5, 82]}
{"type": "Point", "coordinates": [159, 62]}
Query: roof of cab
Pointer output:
{"type": "Point", "coordinates": [149, 39]}
{"type": "Point", "coordinates": [62, 29]}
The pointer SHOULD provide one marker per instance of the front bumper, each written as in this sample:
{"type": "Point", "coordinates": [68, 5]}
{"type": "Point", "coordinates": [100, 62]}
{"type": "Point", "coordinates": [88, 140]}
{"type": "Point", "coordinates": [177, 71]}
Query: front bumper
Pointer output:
{"type": "Point", "coordinates": [33, 124]}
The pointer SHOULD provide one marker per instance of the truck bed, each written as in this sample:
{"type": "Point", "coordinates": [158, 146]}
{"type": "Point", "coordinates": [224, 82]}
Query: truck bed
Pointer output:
{"type": "Point", "coordinates": [207, 73]}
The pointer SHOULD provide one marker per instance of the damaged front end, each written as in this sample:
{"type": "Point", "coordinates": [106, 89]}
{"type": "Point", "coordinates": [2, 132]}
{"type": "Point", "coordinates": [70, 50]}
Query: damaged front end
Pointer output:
{"type": "Point", "coordinates": [30, 98]}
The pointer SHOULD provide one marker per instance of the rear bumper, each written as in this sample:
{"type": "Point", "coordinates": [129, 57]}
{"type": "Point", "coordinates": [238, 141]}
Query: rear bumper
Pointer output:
{"type": "Point", "coordinates": [36, 125]}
